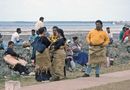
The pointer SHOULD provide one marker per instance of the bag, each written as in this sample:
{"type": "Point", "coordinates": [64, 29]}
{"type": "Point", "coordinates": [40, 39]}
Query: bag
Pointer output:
{"type": "Point", "coordinates": [42, 76]}
{"type": "Point", "coordinates": [38, 45]}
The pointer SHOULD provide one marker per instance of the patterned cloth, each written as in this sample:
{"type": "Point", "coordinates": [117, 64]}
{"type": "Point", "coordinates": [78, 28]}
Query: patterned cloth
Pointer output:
{"type": "Point", "coordinates": [97, 55]}
{"type": "Point", "coordinates": [58, 63]}
{"type": "Point", "coordinates": [43, 62]}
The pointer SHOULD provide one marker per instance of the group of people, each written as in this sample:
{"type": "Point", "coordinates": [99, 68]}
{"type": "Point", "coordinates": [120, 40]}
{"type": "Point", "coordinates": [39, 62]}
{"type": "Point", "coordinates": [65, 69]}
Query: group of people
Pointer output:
{"type": "Point", "coordinates": [59, 52]}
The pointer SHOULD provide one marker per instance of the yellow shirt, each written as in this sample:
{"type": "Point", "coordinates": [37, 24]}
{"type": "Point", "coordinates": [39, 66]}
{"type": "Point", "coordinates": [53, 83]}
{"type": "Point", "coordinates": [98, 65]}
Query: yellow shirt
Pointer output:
{"type": "Point", "coordinates": [53, 38]}
{"type": "Point", "coordinates": [96, 37]}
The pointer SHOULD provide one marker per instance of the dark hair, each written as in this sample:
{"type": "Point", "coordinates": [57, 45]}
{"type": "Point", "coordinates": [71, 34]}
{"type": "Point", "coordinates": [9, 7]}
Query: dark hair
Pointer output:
{"type": "Point", "coordinates": [41, 30]}
{"type": "Point", "coordinates": [18, 29]}
{"type": "Point", "coordinates": [61, 32]}
{"type": "Point", "coordinates": [98, 21]}
{"type": "Point", "coordinates": [55, 27]}
{"type": "Point", "coordinates": [107, 27]}
{"type": "Point", "coordinates": [10, 42]}
{"type": "Point", "coordinates": [33, 30]}
{"type": "Point", "coordinates": [75, 38]}
{"type": "Point", "coordinates": [45, 29]}
{"type": "Point", "coordinates": [41, 18]}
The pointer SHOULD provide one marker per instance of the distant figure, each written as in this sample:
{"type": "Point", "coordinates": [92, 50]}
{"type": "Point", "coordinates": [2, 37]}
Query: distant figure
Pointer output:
{"type": "Point", "coordinates": [13, 59]}
{"type": "Point", "coordinates": [16, 38]}
{"type": "Point", "coordinates": [110, 35]}
{"type": "Point", "coordinates": [54, 37]}
{"type": "Point", "coordinates": [39, 23]}
{"type": "Point", "coordinates": [32, 36]}
{"type": "Point", "coordinates": [2, 43]}
{"type": "Point", "coordinates": [125, 36]}
{"type": "Point", "coordinates": [122, 34]}
{"type": "Point", "coordinates": [97, 40]}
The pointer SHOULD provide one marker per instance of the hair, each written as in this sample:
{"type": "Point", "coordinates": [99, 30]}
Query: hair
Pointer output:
{"type": "Point", "coordinates": [61, 32]}
{"type": "Point", "coordinates": [10, 42]}
{"type": "Point", "coordinates": [75, 38]}
{"type": "Point", "coordinates": [41, 18]}
{"type": "Point", "coordinates": [99, 21]}
{"type": "Point", "coordinates": [18, 29]}
{"type": "Point", "coordinates": [107, 27]}
{"type": "Point", "coordinates": [33, 30]}
{"type": "Point", "coordinates": [41, 30]}
{"type": "Point", "coordinates": [55, 27]}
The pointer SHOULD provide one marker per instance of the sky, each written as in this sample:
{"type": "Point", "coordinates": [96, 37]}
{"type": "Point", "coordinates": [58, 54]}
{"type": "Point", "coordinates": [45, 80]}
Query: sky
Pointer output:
{"type": "Point", "coordinates": [65, 10]}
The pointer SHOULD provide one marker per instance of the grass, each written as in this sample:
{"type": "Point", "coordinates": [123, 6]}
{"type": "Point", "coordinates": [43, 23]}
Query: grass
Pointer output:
{"type": "Point", "coordinates": [123, 85]}
{"type": "Point", "coordinates": [29, 80]}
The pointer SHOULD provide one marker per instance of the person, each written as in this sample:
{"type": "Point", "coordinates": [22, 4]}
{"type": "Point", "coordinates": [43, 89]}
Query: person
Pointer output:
{"type": "Point", "coordinates": [16, 38]}
{"type": "Point", "coordinates": [43, 62]}
{"type": "Point", "coordinates": [79, 56]}
{"type": "Point", "coordinates": [97, 40]}
{"type": "Point", "coordinates": [125, 36]}
{"type": "Point", "coordinates": [58, 61]}
{"type": "Point", "coordinates": [47, 34]}
{"type": "Point", "coordinates": [13, 59]}
{"type": "Point", "coordinates": [31, 40]}
{"type": "Point", "coordinates": [54, 37]}
{"type": "Point", "coordinates": [39, 23]}
{"type": "Point", "coordinates": [109, 34]}
{"type": "Point", "coordinates": [2, 43]}
{"type": "Point", "coordinates": [69, 61]}
{"type": "Point", "coordinates": [122, 34]}
{"type": "Point", "coordinates": [32, 36]}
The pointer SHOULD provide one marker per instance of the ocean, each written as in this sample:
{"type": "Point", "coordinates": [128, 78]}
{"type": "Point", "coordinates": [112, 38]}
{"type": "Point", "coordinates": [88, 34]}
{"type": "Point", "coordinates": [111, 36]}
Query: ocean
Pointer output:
{"type": "Point", "coordinates": [65, 25]}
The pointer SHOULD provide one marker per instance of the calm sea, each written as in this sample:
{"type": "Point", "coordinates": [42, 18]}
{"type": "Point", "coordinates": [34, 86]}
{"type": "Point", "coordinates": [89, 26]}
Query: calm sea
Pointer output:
{"type": "Point", "coordinates": [66, 25]}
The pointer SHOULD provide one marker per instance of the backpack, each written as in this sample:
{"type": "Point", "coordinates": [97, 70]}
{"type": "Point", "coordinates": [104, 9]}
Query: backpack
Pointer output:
{"type": "Point", "coordinates": [38, 45]}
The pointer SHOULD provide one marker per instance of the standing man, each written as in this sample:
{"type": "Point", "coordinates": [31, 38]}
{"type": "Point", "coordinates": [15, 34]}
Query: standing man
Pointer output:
{"type": "Point", "coordinates": [16, 38]}
{"type": "Point", "coordinates": [39, 23]}
{"type": "Point", "coordinates": [110, 35]}
{"type": "Point", "coordinates": [97, 40]}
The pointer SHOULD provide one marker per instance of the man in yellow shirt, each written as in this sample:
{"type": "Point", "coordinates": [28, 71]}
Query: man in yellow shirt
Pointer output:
{"type": "Point", "coordinates": [97, 40]}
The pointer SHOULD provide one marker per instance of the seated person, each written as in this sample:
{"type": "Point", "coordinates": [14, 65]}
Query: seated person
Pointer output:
{"type": "Point", "coordinates": [70, 64]}
{"type": "Point", "coordinates": [12, 58]}
{"type": "Point", "coordinates": [16, 37]}
{"type": "Point", "coordinates": [2, 44]}
{"type": "Point", "coordinates": [79, 56]}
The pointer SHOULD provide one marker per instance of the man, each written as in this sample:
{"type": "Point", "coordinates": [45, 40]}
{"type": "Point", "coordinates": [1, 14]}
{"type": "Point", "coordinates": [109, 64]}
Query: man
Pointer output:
{"type": "Point", "coordinates": [110, 35]}
{"type": "Point", "coordinates": [16, 38]}
{"type": "Point", "coordinates": [122, 34]}
{"type": "Point", "coordinates": [54, 37]}
{"type": "Point", "coordinates": [97, 40]}
{"type": "Point", "coordinates": [32, 37]}
{"type": "Point", "coordinates": [39, 23]}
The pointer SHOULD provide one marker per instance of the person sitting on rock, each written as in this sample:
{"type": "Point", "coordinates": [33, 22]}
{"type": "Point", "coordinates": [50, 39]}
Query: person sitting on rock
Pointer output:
{"type": "Point", "coordinates": [13, 59]}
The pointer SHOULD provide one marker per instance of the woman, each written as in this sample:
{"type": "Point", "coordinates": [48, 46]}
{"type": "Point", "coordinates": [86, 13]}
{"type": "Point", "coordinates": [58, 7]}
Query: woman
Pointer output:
{"type": "Point", "coordinates": [79, 56]}
{"type": "Point", "coordinates": [58, 61]}
{"type": "Point", "coordinates": [13, 59]}
{"type": "Point", "coordinates": [43, 61]}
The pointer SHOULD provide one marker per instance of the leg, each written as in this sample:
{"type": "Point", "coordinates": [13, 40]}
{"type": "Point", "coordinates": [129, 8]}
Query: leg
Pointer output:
{"type": "Point", "coordinates": [97, 70]}
{"type": "Point", "coordinates": [87, 71]}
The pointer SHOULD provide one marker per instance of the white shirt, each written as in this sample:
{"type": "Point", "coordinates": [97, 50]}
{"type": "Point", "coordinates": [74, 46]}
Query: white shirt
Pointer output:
{"type": "Point", "coordinates": [15, 37]}
{"type": "Point", "coordinates": [38, 25]}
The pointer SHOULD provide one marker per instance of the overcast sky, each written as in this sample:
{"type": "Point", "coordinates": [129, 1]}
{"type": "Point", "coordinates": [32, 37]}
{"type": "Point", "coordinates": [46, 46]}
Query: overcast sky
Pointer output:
{"type": "Point", "coordinates": [64, 10]}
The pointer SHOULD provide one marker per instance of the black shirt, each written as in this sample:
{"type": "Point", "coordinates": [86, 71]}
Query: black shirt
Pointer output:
{"type": "Point", "coordinates": [11, 52]}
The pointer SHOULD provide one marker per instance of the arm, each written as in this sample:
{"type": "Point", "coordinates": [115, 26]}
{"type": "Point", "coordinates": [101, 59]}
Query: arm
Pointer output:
{"type": "Point", "coordinates": [106, 41]}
